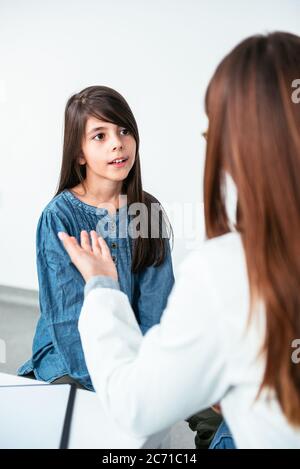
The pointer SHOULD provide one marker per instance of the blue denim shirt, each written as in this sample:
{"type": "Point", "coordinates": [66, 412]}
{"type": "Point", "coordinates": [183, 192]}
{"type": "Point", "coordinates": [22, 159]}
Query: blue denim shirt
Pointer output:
{"type": "Point", "coordinates": [57, 348]}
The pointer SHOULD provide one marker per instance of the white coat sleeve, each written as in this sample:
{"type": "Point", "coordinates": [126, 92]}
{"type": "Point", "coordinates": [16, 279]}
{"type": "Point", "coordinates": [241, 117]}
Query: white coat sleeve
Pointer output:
{"type": "Point", "coordinates": [148, 383]}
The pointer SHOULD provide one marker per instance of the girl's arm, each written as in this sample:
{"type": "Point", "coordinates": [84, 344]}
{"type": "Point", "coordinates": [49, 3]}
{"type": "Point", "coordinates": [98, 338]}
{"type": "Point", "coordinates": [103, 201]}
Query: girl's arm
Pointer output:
{"type": "Point", "coordinates": [61, 296]}
{"type": "Point", "coordinates": [152, 289]}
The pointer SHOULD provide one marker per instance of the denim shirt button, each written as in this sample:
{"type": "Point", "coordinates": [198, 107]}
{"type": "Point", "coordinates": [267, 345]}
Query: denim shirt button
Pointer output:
{"type": "Point", "coordinates": [114, 245]}
{"type": "Point", "coordinates": [114, 259]}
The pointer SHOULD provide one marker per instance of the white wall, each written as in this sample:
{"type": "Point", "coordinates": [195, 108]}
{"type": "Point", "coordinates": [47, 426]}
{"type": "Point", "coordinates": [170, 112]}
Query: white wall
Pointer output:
{"type": "Point", "coordinates": [159, 54]}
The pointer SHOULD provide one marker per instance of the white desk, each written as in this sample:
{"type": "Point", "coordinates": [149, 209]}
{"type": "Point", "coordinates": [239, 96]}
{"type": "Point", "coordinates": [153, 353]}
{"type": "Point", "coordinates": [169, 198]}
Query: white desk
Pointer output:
{"type": "Point", "coordinates": [91, 427]}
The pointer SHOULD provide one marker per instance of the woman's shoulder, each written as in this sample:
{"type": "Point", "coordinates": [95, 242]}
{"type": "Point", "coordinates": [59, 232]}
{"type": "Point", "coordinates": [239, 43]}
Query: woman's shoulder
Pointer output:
{"type": "Point", "coordinates": [218, 250]}
{"type": "Point", "coordinates": [219, 263]}
{"type": "Point", "coordinates": [214, 284]}
{"type": "Point", "coordinates": [211, 288]}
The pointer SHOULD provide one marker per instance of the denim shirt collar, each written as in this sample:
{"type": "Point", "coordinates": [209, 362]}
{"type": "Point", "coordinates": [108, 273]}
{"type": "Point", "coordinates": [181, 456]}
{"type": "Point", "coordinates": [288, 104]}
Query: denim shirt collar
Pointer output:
{"type": "Point", "coordinates": [91, 209]}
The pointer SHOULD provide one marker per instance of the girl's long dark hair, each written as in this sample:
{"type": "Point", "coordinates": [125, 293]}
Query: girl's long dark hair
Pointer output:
{"type": "Point", "coordinates": [108, 105]}
{"type": "Point", "coordinates": [254, 133]}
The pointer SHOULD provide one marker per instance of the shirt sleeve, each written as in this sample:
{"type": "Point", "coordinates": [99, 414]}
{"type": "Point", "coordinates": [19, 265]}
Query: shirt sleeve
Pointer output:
{"type": "Point", "coordinates": [152, 289]}
{"type": "Point", "coordinates": [61, 292]}
{"type": "Point", "coordinates": [101, 281]}
{"type": "Point", "coordinates": [148, 383]}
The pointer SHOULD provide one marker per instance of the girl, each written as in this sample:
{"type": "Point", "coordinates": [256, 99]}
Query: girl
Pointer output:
{"type": "Point", "coordinates": [100, 164]}
{"type": "Point", "coordinates": [236, 342]}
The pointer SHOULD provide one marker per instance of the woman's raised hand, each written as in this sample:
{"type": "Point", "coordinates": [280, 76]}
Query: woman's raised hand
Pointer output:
{"type": "Point", "coordinates": [91, 259]}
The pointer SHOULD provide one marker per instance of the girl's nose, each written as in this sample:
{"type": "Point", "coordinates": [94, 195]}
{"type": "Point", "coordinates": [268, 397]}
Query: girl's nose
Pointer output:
{"type": "Point", "coordinates": [116, 144]}
{"type": "Point", "coordinates": [117, 147]}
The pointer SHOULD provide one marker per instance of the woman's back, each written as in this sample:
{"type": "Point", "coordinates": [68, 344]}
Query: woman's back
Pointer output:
{"type": "Point", "coordinates": [254, 423]}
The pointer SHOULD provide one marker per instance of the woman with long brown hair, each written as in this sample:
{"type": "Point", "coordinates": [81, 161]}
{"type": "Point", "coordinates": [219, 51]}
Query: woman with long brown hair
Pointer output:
{"type": "Point", "coordinates": [240, 292]}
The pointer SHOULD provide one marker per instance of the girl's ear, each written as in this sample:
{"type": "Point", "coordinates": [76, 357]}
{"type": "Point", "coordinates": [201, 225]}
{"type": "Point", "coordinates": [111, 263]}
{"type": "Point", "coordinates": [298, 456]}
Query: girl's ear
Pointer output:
{"type": "Point", "coordinates": [81, 159]}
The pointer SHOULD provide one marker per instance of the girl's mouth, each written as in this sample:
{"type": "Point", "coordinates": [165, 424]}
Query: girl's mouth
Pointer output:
{"type": "Point", "coordinates": [118, 162]}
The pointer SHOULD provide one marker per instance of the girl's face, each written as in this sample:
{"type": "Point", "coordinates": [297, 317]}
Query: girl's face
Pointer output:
{"type": "Point", "coordinates": [107, 150]}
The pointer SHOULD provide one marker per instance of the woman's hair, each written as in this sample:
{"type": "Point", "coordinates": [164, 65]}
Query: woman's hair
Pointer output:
{"type": "Point", "coordinates": [108, 105]}
{"type": "Point", "coordinates": [254, 134]}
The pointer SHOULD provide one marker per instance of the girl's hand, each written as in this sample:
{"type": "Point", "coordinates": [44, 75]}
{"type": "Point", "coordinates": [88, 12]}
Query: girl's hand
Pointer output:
{"type": "Point", "coordinates": [90, 260]}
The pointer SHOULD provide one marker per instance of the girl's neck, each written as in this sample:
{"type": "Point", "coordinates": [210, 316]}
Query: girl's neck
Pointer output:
{"type": "Point", "coordinates": [106, 193]}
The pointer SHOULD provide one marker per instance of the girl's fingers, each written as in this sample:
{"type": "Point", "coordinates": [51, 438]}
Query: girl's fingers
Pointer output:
{"type": "Point", "coordinates": [85, 241]}
{"type": "Point", "coordinates": [104, 248]}
{"type": "Point", "coordinates": [95, 243]}
{"type": "Point", "coordinates": [66, 239]}
{"type": "Point", "coordinates": [74, 241]}
{"type": "Point", "coordinates": [70, 244]}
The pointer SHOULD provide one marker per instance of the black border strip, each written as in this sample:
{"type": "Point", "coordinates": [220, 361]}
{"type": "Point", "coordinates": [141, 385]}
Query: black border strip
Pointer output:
{"type": "Point", "coordinates": [64, 441]}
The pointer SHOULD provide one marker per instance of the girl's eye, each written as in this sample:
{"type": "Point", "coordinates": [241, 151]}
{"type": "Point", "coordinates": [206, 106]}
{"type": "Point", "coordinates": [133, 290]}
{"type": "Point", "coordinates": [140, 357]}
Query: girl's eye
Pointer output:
{"type": "Point", "coordinates": [125, 132]}
{"type": "Point", "coordinates": [99, 137]}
